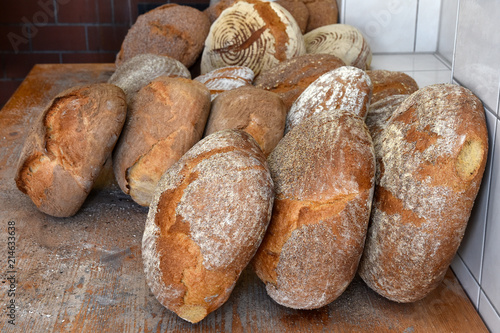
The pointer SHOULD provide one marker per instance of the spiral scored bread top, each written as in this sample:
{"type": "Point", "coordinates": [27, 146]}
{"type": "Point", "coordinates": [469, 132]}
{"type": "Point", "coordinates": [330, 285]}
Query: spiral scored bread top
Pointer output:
{"type": "Point", "coordinates": [226, 78]}
{"type": "Point", "coordinates": [341, 40]}
{"type": "Point", "coordinates": [254, 34]}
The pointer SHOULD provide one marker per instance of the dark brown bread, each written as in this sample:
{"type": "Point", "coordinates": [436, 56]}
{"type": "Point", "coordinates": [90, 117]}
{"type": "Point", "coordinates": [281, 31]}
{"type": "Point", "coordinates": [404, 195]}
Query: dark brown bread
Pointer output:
{"type": "Point", "coordinates": [258, 112]}
{"type": "Point", "coordinates": [291, 77]}
{"type": "Point", "coordinates": [208, 216]}
{"type": "Point", "coordinates": [321, 13]}
{"type": "Point", "coordinates": [299, 11]}
{"type": "Point", "coordinates": [166, 118]}
{"type": "Point", "coordinates": [431, 157]}
{"type": "Point", "coordinates": [387, 83]}
{"type": "Point", "coordinates": [323, 171]}
{"type": "Point", "coordinates": [172, 30]}
{"type": "Point", "coordinates": [68, 145]}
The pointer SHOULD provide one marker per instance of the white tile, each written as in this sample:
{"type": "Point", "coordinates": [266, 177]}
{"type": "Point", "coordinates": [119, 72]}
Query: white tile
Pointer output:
{"type": "Point", "coordinates": [471, 249]}
{"type": "Point", "coordinates": [478, 49]}
{"type": "Point", "coordinates": [490, 316]}
{"type": "Point", "coordinates": [340, 6]}
{"type": "Point", "coordinates": [427, 25]}
{"type": "Point", "coordinates": [490, 280]}
{"type": "Point", "coordinates": [389, 26]}
{"type": "Point", "coordinates": [425, 78]}
{"type": "Point", "coordinates": [408, 62]}
{"type": "Point", "coordinates": [447, 29]}
{"type": "Point", "coordinates": [466, 279]}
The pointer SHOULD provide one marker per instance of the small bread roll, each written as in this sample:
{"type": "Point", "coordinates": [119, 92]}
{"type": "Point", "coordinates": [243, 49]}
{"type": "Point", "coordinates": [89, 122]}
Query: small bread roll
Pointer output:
{"type": "Point", "coordinates": [226, 78]}
{"type": "Point", "coordinates": [341, 40]}
{"type": "Point", "coordinates": [387, 83]}
{"type": "Point", "coordinates": [431, 157]}
{"type": "Point", "coordinates": [345, 88]}
{"type": "Point", "coordinates": [68, 145]}
{"type": "Point", "coordinates": [208, 216]}
{"type": "Point", "coordinates": [255, 34]}
{"type": "Point", "coordinates": [323, 171]}
{"type": "Point", "coordinates": [291, 77]}
{"type": "Point", "coordinates": [258, 112]}
{"type": "Point", "coordinates": [166, 118]}
{"type": "Point", "coordinates": [171, 30]}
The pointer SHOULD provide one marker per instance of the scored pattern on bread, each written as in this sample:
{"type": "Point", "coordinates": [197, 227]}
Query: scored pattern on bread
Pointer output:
{"type": "Point", "coordinates": [226, 78]}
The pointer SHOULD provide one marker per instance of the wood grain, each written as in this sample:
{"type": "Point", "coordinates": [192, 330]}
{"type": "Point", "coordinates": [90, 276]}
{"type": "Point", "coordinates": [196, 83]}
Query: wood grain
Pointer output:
{"type": "Point", "coordinates": [85, 274]}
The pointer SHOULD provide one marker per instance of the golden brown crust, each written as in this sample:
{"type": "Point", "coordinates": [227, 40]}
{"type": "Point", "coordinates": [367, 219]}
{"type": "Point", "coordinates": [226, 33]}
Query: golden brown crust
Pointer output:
{"type": "Point", "coordinates": [172, 30]}
{"type": "Point", "coordinates": [67, 147]}
{"type": "Point", "coordinates": [299, 11]}
{"type": "Point", "coordinates": [387, 83]}
{"type": "Point", "coordinates": [380, 112]}
{"type": "Point", "coordinates": [431, 158]}
{"type": "Point", "coordinates": [323, 171]}
{"type": "Point", "coordinates": [321, 13]}
{"type": "Point", "coordinates": [198, 236]}
{"type": "Point", "coordinates": [166, 118]}
{"type": "Point", "coordinates": [258, 112]}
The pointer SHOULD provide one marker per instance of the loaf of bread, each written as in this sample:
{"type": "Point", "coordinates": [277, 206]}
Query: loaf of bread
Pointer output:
{"type": "Point", "coordinates": [140, 70]}
{"type": "Point", "coordinates": [346, 88]}
{"type": "Point", "coordinates": [258, 112]}
{"type": "Point", "coordinates": [68, 145]}
{"type": "Point", "coordinates": [299, 11]}
{"type": "Point", "coordinates": [166, 118]}
{"type": "Point", "coordinates": [379, 113]}
{"type": "Point", "coordinates": [226, 78]}
{"type": "Point", "coordinates": [208, 216]}
{"type": "Point", "coordinates": [171, 30]}
{"type": "Point", "coordinates": [291, 77]}
{"type": "Point", "coordinates": [213, 11]}
{"type": "Point", "coordinates": [431, 157]}
{"type": "Point", "coordinates": [255, 34]}
{"type": "Point", "coordinates": [321, 13]}
{"type": "Point", "coordinates": [387, 83]}
{"type": "Point", "coordinates": [341, 40]}
{"type": "Point", "coordinates": [323, 172]}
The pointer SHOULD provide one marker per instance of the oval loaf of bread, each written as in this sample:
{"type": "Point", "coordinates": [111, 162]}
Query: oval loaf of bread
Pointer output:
{"type": "Point", "coordinates": [207, 218]}
{"type": "Point", "coordinates": [323, 171]}
{"type": "Point", "coordinates": [346, 88]}
{"type": "Point", "coordinates": [431, 156]}
{"type": "Point", "coordinates": [67, 147]}
{"type": "Point", "coordinates": [379, 113]}
{"type": "Point", "coordinates": [226, 78]}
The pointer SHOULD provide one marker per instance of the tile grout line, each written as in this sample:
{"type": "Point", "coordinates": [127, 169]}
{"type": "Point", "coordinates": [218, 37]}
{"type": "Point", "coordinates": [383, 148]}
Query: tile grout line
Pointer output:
{"type": "Point", "coordinates": [416, 27]}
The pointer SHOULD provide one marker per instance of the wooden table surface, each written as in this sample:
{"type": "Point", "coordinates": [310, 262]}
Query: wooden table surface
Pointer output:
{"type": "Point", "coordinates": [85, 274]}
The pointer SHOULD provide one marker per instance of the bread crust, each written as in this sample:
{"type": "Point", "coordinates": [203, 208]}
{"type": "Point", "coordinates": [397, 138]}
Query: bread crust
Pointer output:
{"type": "Point", "coordinates": [431, 158]}
{"type": "Point", "coordinates": [226, 78]}
{"type": "Point", "coordinates": [381, 111]}
{"type": "Point", "coordinates": [323, 171]}
{"type": "Point", "coordinates": [68, 145]}
{"type": "Point", "coordinates": [387, 83]}
{"type": "Point", "coordinates": [207, 219]}
{"type": "Point", "coordinates": [321, 13]}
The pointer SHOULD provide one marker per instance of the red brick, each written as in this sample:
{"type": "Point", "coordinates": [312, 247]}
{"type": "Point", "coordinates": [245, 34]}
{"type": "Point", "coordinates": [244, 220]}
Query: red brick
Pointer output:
{"type": "Point", "coordinates": [7, 89]}
{"type": "Point", "coordinates": [106, 38]}
{"type": "Point", "coordinates": [72, 58]}
{"type": "Point", "coordinates": [13, 11]}
{"type": "Point", "coordinates": [78, 11]}
{"type": "Point", "coordinates": [12, 39]}
{"type": "Point", "coordinates": [122, 11]}
{"type": "Point", "coordinates": [18, 65]}
{"type": "Point", "coordinates": [60, 38]}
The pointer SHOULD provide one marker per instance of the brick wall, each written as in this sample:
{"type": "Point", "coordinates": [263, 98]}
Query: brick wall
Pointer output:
{"type": "Point", "coordinates": [64, 31]}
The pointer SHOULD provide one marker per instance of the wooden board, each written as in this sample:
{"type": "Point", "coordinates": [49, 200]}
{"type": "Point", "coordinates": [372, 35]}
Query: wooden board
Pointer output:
{"type": "Point", "coordinates": [85, 274]}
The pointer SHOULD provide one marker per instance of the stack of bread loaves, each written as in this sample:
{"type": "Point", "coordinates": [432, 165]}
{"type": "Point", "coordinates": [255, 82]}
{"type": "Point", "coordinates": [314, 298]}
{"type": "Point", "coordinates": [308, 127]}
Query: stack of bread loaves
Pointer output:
{"type": "Point", "coordinates": [286, 153]}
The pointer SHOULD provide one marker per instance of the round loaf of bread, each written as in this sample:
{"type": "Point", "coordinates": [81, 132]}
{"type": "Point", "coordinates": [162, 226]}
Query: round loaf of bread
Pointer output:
{"type": "Point", "coordinates": [321, 13]}
{"type": "Point", "coordinates": [140, 70]}
{"type": "Point", "coordinates": [171, 30]}
{"type": "Point", "coordinates": [226, 78]}
{"type": "Point", "coordinates": [258, 112]}
{"type": "Point", "coordinates": [323, 172]}
{"type": "Point", "coordinates": [341, 40]}
{"type": "Point", "coordinates": [431, 156]}
{"type": "Point", "coordinates": [255, 34]}
{"type": "Point", "coordinates": [379, 113]}
{"type": "Point", "coordinates": [387, 83]}
{"type": "Point", "coordinates": [291, 77]}
{"type": "Point", "coordinates": [166, 118]}
{"type": "Point", "coordinates": [68, 145]}
{"type": "Point", "coordinates": [345, 88]}
{"type": "Point", "coordinates": [208, 216]}
{"type": "Point", "coordinates": [298, 10]}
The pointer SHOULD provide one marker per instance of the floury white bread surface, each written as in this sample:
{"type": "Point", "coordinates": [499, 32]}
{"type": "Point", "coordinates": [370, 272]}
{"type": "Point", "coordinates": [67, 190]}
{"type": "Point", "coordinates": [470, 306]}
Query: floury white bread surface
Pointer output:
{"type": "Point", "coordinates": [226, 78]}
{"type": "Point", "coordinates": [431, 157]}
{"type": "Point", "coordinates": [255, 34]}
{"type": "Point", "coordinates": [207, 218]}
{"type": "Point", "coordinates": [345, 88]}
{"type": "Point", "coordinates": [323, 171]}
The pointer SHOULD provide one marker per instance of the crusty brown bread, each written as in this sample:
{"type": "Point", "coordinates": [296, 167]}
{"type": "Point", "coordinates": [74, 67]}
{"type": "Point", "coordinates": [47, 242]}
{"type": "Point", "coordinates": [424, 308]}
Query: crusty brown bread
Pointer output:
{"type": "Point", "coordinates": [380, 112]}
{"type": "Point", "coordinates": [68, 145]}
{"type": "Point", "coordinates": [347, 88]}
{"type": "Point", "coordinates": [166, 118]}
{"type": "Point", "coordinates": [226, 78]}
{"type": "Point", "coordinates": [256, 34]}
{"type": "Point", "coordinates": [258, 112]}
{"type": "Point", "coordinates": [323, 172]}
{"type": "Point", "coordinates": [291, 77]}
{"type": "Point", "coordinates": [299, 11]}
{"type": "Point", "coordinates": [431, 157]}
{"type": "Point", "coordinates": [208, 217]}
{"type": "Point", "coordinates": [387, 83]}
{"type": "Point", "coordinates": [172, 30]}
{"type": "Point", "coordinates": [321, 13]}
